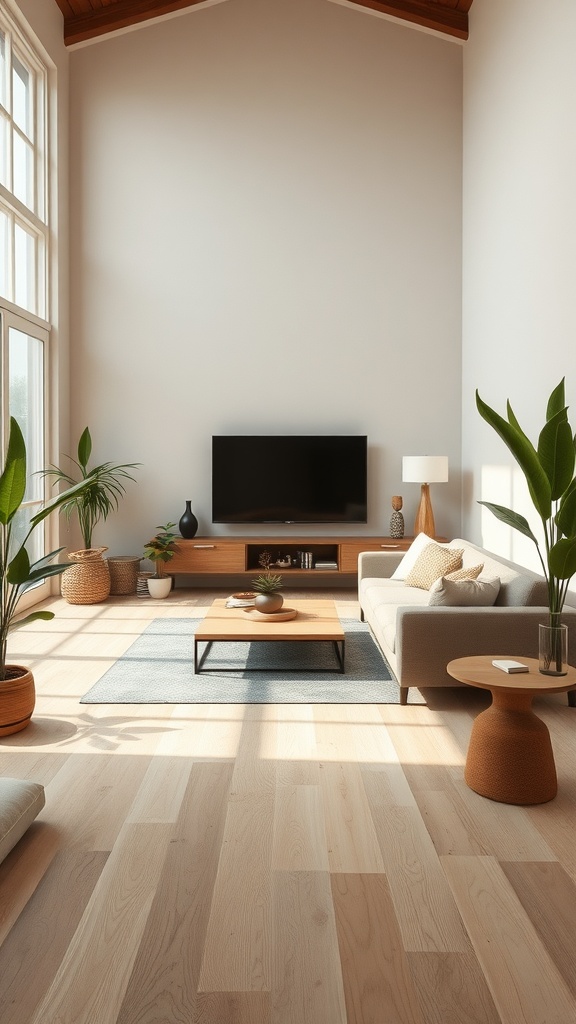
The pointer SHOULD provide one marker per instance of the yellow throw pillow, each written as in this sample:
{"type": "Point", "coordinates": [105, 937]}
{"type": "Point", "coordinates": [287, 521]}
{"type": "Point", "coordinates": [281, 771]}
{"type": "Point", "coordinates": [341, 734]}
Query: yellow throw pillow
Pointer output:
{"type": "Point", "coordinates": [432, 563]}
{"type": "Point", "coordinates": [471, 573]}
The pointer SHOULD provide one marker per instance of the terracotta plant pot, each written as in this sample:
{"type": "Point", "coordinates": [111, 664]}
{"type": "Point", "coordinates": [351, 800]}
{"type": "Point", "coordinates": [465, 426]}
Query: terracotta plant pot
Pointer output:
{"type": "Point", "coordinates": [17, 699]}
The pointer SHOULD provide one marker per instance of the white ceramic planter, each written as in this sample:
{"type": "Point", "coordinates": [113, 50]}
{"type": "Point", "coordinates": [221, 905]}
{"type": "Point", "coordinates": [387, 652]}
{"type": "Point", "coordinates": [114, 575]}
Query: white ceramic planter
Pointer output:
{"type": "Point", "coordinates": [159, 586]}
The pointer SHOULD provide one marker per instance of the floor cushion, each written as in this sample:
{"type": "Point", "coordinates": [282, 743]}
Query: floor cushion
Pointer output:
{"type": "Point", "coordinates": [20, 802]}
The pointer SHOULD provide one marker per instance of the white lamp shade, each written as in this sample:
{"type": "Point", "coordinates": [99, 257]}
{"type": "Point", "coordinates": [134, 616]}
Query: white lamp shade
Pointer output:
{"type": "Point", "coordinates": [425, 469]}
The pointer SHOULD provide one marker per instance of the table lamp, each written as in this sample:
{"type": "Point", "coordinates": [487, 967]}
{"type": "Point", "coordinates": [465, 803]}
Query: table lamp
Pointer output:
{"type": "Point", "coordinates": [425, 470]}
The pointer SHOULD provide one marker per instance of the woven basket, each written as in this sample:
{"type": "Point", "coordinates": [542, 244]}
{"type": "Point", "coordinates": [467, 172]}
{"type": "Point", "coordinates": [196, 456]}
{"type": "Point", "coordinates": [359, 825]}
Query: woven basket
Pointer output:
{"type": "Point", "coordinates": [88, 581]}
{"type": "Point", "coordinates": [123, 573]}
{"type": "Point", "coordinates": [142, 584]}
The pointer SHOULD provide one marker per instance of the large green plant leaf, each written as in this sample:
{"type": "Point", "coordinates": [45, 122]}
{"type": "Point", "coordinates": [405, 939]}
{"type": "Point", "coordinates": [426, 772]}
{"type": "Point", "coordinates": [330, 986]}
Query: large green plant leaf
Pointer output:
{"type": "Point", "coordinates": [511, 518]}
{"type": "Point", "coordinates": [566, 515]}
{"type": "Point", "coordinates": [556, 453]}
{"type": "Point", "coordinates": [84, 449]}
{"type": "Point", "coordinates": [525, 454]}
{"type": "Point", "coordinates": [19, 568]}
{"type": "Point", "coordinates": [13, 479]}
{"type": "Point", "coordinates": [557, 402]}
{"type": "Point", "coordinates": [562, 558]}
{"type": "Point", "coordinates": [32, 617]}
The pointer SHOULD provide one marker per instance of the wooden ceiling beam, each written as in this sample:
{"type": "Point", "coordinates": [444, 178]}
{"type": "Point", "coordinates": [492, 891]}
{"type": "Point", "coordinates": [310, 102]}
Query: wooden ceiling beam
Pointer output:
{"type": "Point", "coordinates": [451, 21]}
{"type": "Point", "coordinates": [121, 14]}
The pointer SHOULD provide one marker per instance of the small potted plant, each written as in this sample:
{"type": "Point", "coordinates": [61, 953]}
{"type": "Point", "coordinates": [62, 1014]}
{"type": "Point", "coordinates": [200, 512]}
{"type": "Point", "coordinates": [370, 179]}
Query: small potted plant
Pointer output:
{"type": "Point", "coordinates": [268, 597]}
{"type": "Point", "coordinates": [159, 550]}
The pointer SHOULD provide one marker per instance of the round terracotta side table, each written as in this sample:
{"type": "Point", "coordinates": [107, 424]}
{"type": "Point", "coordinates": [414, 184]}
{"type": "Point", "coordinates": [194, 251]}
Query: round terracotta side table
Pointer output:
{"type": "Point", "coordinates": [510, 756]}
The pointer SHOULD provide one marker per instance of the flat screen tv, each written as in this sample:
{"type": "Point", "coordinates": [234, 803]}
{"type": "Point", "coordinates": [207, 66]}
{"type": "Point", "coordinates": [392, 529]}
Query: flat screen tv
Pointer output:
{"type": "Point", "coordinates": [289, 479]}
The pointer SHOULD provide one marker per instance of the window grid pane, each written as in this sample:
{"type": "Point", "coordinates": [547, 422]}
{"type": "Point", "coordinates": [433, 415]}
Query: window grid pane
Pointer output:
{"type": "Point", "coordinates": [4, 151]}
{"type": "Point", "coordinates": [22, 81]}
{"type": "Point", "coordinates": [3, 68]}
{"type": "Point", "coordinates": [4, 255]}
{"type": "Point", "coordinates": [23, 171]}
{"type": "Point", "coordinates": [25, 293]}
{"type": "Point", "coordinates": [26, 402]}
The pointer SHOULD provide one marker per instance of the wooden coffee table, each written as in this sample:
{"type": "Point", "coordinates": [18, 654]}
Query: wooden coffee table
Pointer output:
{"type": "Point", "coordinates": [510, 756]}
{"type": "Point", "coordinates": [316, 621]}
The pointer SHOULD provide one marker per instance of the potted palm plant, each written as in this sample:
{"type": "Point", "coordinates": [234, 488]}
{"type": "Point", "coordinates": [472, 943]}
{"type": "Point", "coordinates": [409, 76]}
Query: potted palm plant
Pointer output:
{"type": "Point", "coordinates": [268, 597]}
{"type": "Point", "coordinates": [18, 575]}
{"type": "Point", "coordinates": [159, 550]}
{"type": "Point", "coordinates": [87, 581]}
{"type": "Point", "coordinates": [549, 472]}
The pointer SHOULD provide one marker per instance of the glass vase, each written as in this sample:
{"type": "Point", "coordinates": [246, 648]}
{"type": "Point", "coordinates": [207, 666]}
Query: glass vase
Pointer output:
{"type": "Point", "coordinates": [553, 650]}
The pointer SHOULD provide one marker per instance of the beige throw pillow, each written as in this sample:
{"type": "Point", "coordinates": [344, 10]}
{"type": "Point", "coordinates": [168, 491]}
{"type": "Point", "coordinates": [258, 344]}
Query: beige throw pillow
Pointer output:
{"type": "Point", "coordinates": [470, 573]}
{"type": "Point", "coordinates": [464, 593]}
{"type": "Point", "coordinates": [432, 563]}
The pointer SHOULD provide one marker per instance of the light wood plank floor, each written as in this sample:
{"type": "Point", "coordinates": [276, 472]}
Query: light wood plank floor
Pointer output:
{"type": "Point", "coordinates": [273, 864]}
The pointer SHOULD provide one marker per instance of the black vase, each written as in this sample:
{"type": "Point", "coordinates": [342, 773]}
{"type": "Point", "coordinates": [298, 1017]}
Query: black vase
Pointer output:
{"type": "Point", "coordinates": [188, 524]}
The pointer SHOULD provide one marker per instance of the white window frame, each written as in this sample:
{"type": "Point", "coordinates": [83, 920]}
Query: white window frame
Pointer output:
{"type": "Point", "coordinates": [33, 220]}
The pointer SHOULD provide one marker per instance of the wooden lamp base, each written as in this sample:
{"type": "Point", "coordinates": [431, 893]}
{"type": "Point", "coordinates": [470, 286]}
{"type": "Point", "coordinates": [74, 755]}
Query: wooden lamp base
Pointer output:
{"type": "Point", "coordinates": [424, 522]}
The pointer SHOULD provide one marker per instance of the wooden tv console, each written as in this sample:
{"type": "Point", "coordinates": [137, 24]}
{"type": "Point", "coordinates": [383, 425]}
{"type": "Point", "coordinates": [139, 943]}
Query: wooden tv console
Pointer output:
{"type": "Point", "coordinates": [240, 555]}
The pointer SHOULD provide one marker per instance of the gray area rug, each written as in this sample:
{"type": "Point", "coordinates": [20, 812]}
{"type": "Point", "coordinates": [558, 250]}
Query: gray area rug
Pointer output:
{"type": "Point", "coordinates": [159, 669]}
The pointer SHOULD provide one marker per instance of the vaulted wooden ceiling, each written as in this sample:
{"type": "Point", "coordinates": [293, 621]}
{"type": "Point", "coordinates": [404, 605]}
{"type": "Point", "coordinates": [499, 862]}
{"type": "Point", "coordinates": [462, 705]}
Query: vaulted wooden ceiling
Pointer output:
{"type": "Point", "coordinates": [86, 19]}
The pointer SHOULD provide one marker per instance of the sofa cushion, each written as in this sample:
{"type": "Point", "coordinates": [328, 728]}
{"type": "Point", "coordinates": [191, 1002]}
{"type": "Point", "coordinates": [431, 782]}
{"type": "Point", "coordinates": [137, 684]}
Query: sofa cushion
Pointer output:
{"type": "Point", "coordinates": [470, 573]}
{"type": "Point", "coordinates": [518, 586]}
{"type": "Point", "coordinates": [20, 802]}
{"type": "Point", "coordinates": [432, 563]}
{"type": "Point", "coordinates": [480, 593]}
{"type": "Point", "coordinates": [407, 563]}
{"type": "Point", "coordinates": [385, 614]}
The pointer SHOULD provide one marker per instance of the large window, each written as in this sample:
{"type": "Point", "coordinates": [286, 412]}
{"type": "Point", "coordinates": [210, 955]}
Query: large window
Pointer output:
{"type": "Point", "coordinates": [23, 163]}
{"type": "Point", "coordinates": [24, 252]}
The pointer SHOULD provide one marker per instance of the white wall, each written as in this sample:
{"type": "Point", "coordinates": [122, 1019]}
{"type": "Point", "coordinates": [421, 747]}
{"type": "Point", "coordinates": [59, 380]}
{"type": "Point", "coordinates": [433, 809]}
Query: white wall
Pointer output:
{"type": "Point", "coordinates": [266, 232]}
{"type": "Point", "coordinates": [519, 253]}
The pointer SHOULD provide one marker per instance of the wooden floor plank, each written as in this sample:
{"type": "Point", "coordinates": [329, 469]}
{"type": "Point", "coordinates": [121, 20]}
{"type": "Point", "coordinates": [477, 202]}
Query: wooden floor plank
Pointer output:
{"type": "Point", "coordinates": [90, 983]}
{"type": "Point", "coordinates": [526, 986]}
{"type": "Point", "coordinates": [307, 986]}
{"type": "Point", "coordinates": [427, 915]}
{"type": "Point", "coordinates": [164, 979]}
{"type": "Point", "coordinates": [27, 967]}
{"type": "Point", "coordinates": [451, 989]}
{"type": "Point", "coordinates": [233, 1008]}
{"type": "Point", "coordinates": [352, 841]}
{"type": "Point", "coordinates": [548, 896]}
{"type": "Point", "coordinates": [299, 835]}
{"type": "Point", "coordinates": [378, 985]}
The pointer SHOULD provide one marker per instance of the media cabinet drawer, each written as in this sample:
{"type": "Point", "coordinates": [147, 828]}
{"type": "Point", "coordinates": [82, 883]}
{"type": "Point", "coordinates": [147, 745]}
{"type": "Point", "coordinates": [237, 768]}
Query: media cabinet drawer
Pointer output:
{"type": "Point", "coordinates": [207, 556]}
{"type": "Point", "coordinates": [350, 549]}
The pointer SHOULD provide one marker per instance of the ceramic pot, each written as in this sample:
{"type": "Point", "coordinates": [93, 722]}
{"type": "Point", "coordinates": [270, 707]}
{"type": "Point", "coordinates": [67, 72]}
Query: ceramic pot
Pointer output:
{"type": "Point", "coordinates": [188, 524]}
{"type": "Point", "coordinates": [159, 586]}
{"type": "Point", "coordinates": [268, 602]}
{"type": "Point", "coordinates": [17, 699]}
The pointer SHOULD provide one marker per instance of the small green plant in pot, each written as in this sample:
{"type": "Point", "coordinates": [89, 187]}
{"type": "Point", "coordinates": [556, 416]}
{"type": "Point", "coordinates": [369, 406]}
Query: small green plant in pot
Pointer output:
{"type": "Point", "coordinates": [549, 472]}
{"type": "Point", "coordinates": [18, 575]}
{"type": "Point", "coordinates": [268, 597]}
{"type": "Point", "coordinates": [159, 550]}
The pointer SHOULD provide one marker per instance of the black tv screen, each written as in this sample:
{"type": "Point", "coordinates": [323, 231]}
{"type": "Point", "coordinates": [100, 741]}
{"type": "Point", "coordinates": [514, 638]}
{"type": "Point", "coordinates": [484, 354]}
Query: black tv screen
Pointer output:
{"type": "Point", "coordinates": [289, 479]}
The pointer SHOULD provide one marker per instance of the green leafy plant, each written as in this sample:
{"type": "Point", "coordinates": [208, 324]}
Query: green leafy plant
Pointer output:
{"type": "Point", "coordinates": [268, 583]}
{"type": "Point", "coordinates": [549, 472]}
{"type": "Point", "coordinates": [161, 548]}
{"type": "Point", "coordinates": [17, 573]}
{"type": "Point", "coordinates": [107, 484]}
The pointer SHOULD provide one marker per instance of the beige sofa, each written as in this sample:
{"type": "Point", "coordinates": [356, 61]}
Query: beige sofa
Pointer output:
{"type": "Point", "coordinates": [418, 640]}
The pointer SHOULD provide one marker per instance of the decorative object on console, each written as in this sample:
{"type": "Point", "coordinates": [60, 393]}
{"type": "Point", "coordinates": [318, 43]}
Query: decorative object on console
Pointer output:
{"type": "Point", "coordinates": [188, 524]}
{"type": "Point", "coordinates": [425, 470]}
{"type": "Point", "coordinates": [549, 473]}
{"type": "Point", "coordinates": [158, 550]}
{"type": "Point", "coordinates": [264, 560]}
{"type": "Point", "coordinates": [268, 597]}
{"type": "Point", "coordinates": [396, 519]}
